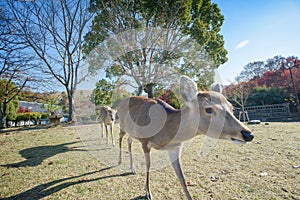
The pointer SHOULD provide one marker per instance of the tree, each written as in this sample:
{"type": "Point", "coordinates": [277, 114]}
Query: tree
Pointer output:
{"type": "Point", "coordinates": [169, 97]}
{"type": "Point", "coordinates": [119, 94]}
{"type": "Point", "coordinates": [238, 94]}
{"type": "Point", "coordinates": [102, 94]}
{"type": "Point", "coordinates": [17, 67]}
{"type": "Point", "coordinates": [164, 47]}
{"type": "Point", "coordinates": [52, 103]}
{"type": "Point", "coordinates": [17, 72]}
{"type": "Point", "coordinates": [53, 31]}
{"type": "Point", "coordinates": [8, 100]}
{"type": "Point", "coordinates": [253, 70]}
{"type": "Point", "coordinates": [263, 95]}
{"type": "Point", "coordinates": [8, 112]}
{"type": "Point", "coordinates": [274, 63]}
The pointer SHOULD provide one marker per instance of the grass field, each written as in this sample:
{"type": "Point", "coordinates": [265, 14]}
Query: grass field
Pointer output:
{"type": "Point", "coordinates": [73, 163]}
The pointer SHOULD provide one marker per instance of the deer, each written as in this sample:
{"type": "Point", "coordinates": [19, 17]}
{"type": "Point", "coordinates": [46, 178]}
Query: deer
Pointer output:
{"type": "Point", "coordinates": [107, 118]}
{"type": "Point", "coordinates": [158, 125]}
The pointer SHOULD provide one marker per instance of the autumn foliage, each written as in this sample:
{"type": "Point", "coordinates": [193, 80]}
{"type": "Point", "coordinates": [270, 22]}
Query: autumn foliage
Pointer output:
{"type": "Point", "coordinates": [280, 78]}
{"type": "Point", "coordinates": [272, 78]}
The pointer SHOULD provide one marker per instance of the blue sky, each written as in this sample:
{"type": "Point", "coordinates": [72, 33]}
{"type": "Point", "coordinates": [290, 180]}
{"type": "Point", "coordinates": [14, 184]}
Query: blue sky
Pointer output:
{"type": "Point", "coordinates": [256, 30]}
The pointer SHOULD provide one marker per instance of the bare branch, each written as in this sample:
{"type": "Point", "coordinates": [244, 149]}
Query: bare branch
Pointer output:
{"type": "Point", "coordinates": [54, 31]}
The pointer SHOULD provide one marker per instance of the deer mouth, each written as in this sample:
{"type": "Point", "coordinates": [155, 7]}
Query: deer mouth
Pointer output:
{"type": "Point", "coordinates": [109, 123]}
{"type": "Point", "coordinates": [237, 141]}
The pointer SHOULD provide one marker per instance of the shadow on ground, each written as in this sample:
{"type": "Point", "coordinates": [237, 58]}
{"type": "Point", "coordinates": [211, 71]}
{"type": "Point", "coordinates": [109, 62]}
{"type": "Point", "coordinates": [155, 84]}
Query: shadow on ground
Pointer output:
{"type": "Point", "coordinates": [47, 189]}
{"type": "Point", "coordinates": [36, 155]}
{"type": "Point", "coordinates": [24, 128]}
{"type": "Point", "coordinates": [139, 198]}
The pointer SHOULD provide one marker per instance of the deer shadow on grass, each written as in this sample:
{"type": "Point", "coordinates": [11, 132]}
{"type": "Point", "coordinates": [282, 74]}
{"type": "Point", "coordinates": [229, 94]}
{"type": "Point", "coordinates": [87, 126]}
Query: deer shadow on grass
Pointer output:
{"type": "Point", "coordinates": [36, 155]}
{"type": "Point", "coordinates": [139, 198]}
{"type": "Point", "coordinates": [24, 128]}
{"type": "Point", "coordinates": [43, 190]}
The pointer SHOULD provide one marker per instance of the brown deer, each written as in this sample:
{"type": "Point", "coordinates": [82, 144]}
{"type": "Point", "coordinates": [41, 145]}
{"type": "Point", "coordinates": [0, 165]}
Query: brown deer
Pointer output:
{"type": "Point", "coordinates": [107, 118]}
{"type": "Point", "coordinates": [158, 125]}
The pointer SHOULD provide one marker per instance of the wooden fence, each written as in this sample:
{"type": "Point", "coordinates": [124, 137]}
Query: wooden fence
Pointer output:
{"type": "Point", "coordinates": [263, 113]}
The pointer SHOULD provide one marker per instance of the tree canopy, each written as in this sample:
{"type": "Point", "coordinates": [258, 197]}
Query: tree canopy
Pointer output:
{"type": "Point", "coordinates": [8, 101]}
{"type": "Point", "coordinates": [179, 36]}
{"type": "Point", "coordinates": [263, 95]}
{"type": "Point", "coordinates": [102, 94]}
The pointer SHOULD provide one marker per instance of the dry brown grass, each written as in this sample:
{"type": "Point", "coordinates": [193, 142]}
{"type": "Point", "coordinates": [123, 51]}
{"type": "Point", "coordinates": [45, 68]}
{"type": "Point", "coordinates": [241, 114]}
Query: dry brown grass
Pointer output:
{"type": "Point", "coordinates": [62, 163]}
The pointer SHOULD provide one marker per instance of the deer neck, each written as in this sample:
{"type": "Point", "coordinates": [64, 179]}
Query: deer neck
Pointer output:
{"type": "Point", "coordinates": [188, 123]}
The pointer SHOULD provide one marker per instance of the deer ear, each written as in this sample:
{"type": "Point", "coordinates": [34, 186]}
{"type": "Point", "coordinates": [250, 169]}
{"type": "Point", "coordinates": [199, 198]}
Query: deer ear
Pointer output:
{"type": "Point", "coordinates": [188, 88]}
{"type": "Point", "coordinates": [217, 88]}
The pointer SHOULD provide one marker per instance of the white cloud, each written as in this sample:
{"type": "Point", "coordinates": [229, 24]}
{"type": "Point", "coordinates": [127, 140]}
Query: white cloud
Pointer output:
{"type": "Point", "coordinates": [242, 44]}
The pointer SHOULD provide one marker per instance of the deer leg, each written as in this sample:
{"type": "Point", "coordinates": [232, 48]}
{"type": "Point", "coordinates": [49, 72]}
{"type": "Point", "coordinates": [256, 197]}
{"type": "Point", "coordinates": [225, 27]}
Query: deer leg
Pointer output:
{"type": "Point", "coordinates": [106, 133]}
{"type": "Point", "coordinates": [102, 125]}
{"type": "Point", "coordinates": [129, 141]}
{"type": "Point", "coordinates": [121, 135]}
{"type": "Point", "coordinates": [112, 135]}
{"type": "Point", "coordinates": [174, 157]}
{"type": "Point", "coordinates": [147, 158]}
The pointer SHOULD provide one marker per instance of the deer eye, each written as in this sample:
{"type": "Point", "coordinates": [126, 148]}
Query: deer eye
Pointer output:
{"type": "Point", "coordinates": [209, 110]}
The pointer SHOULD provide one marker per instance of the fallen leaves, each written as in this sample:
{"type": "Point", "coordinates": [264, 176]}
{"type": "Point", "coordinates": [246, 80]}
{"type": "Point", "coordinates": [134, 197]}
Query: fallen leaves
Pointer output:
{"type": "Point", "coordinates": [190, 183]}
{"type": "Point", "coordinates": [5, 174]}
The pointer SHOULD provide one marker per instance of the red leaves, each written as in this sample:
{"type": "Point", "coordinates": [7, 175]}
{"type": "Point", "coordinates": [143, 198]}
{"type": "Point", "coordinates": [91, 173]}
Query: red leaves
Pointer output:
{"type": "Point", "coordinates": [190, 183]}
{"type": "Point", "coordinates": [23, 109]}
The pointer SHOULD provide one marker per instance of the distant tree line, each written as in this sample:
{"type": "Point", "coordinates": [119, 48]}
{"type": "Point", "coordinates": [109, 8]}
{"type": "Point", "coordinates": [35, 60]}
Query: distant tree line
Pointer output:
{"type": "Point", "coordinates": [266, 82]}
{"type": "Point", "coordinates": [16, 113]}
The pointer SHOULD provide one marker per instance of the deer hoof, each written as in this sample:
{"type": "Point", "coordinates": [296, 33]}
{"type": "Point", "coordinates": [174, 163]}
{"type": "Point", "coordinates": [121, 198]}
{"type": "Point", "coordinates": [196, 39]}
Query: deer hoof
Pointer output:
{"type": "Point", "coordinates": [148, 196]}
{"type": "Point", "coordinates": [133, 171]}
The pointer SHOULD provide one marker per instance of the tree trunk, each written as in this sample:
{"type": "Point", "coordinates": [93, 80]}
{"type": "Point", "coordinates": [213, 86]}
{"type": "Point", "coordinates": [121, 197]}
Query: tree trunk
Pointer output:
{"type": "Point", "coordinates": [245, 114]}
{"type": "Point", "coordinates": [3, 117]}
{"type": "Point", "coordinates": [70, 104]}
{"type": "Point", "coordinates": [140, 90]}
{"type": "Point", "coordinates": [2, 122]}
{"type": "Point", "coordinates": [148, 88]}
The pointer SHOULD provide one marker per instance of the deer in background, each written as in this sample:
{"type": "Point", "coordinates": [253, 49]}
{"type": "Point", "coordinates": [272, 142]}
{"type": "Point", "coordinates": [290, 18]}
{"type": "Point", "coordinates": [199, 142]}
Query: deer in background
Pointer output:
{"type": "Point", "coordinates": [158, 125]}
{"type": "Point", "coordinates": [107, 118]}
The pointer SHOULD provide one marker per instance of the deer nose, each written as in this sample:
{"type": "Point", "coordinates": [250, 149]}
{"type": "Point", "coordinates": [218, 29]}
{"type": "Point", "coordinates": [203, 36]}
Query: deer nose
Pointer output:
{"type": "Point", "coordinates": [247, 135]}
